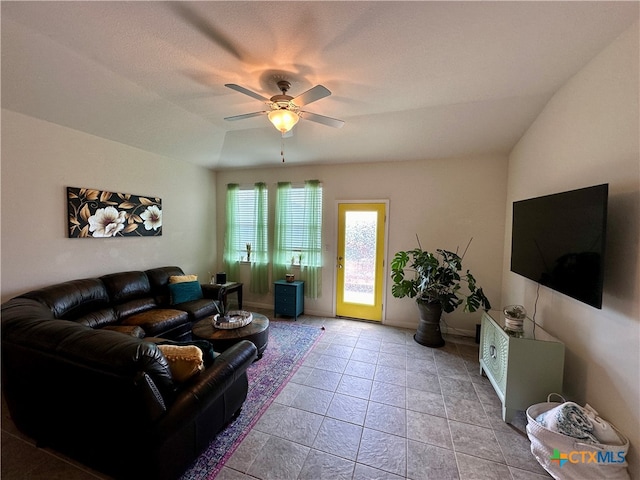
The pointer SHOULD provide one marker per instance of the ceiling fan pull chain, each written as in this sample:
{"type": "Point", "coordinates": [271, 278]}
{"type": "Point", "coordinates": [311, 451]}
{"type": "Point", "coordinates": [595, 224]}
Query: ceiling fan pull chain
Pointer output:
{"type": "Point", "coordinates": [282, 147]}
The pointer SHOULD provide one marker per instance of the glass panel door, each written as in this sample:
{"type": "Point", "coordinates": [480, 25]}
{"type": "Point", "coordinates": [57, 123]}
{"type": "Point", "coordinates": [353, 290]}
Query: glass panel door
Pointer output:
{"type": "Point", "coordinates": [360, 262]}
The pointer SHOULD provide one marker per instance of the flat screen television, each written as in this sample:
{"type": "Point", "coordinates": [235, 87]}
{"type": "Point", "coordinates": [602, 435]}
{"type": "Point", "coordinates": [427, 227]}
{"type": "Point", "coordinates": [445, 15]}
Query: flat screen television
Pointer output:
{"type": "Point", "coordinates": [559, 241]}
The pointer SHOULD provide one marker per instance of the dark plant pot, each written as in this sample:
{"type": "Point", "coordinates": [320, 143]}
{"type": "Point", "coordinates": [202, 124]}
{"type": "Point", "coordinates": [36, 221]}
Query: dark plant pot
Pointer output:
{"type": "Point", "coordinates": [428, 333]}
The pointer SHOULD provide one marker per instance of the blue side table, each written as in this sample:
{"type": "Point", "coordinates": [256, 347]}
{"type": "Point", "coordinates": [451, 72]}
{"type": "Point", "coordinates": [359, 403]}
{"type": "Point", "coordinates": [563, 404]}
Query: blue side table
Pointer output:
{"type": "Point", "coordinates": [289, 298]}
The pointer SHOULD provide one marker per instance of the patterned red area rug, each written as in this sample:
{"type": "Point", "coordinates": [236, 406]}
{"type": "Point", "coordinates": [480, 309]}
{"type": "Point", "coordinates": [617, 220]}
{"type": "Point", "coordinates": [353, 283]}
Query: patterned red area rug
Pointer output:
{"type": "Point", "coordinates": [288, 345]}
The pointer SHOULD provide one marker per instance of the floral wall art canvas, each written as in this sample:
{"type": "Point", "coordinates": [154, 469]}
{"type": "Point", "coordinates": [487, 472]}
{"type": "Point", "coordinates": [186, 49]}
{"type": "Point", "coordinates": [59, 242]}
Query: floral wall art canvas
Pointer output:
{"type": "Point", "coordinates": [99, 214]}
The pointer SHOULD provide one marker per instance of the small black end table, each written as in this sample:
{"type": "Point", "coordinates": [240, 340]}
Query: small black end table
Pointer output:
{"type": "Point", "coordinates": [231, 287]}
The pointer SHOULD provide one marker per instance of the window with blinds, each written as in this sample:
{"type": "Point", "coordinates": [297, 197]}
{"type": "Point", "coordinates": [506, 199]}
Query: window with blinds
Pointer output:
{"type": "Point", "coordinates": [297, 242]}
{"type": "Point", "coordinates": [299, 225]}
{"type": "Point", "coordinates": [247, 220]}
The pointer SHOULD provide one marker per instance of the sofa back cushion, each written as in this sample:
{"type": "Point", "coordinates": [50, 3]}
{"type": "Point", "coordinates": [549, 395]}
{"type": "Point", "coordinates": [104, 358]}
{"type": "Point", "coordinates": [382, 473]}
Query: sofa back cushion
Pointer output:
{"type": "Point", "coordinates": [130, 293]}
{"type": "Point", "coordinates": [72, 300]}
{"type": "Point", "coordinates": [159, 280]}
{"type": "Point", "coordinates": [125, 286]}
{"type": "Point", "coordinates": [99, 318]}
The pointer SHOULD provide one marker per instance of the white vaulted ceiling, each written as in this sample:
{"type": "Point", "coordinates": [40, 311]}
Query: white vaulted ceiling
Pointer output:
{"type": "Point", "coordinates": [412, 80]}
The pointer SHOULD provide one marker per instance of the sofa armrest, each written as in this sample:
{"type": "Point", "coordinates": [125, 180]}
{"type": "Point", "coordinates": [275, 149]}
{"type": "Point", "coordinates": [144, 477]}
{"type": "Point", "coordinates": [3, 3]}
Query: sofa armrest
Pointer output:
{"type": "Point", "coordinates": [197, 395]}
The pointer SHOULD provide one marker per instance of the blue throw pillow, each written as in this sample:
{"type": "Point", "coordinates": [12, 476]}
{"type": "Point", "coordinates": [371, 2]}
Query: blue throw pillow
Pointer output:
{"type": "Point", "coordinates": [185, 292]}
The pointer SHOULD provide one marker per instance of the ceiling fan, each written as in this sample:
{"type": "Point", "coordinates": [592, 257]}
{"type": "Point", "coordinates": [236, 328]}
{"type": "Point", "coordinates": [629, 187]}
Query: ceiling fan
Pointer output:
{"type": "Point", "coordinates": [285, 110]}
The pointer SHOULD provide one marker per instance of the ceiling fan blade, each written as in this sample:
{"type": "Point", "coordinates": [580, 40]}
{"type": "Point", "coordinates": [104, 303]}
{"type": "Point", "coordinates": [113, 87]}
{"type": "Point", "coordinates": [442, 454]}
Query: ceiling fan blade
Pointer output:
{"type": "Point", "coordinates": [246, 115]}
{"type": "Point", "coordinates": [246, 91]}
{"type": "Point", "coordinates": [209, 30]}
{"type": "Point", "coordinates": [311, 95]}
{"type": "Point", "coordinates": [328, 121]}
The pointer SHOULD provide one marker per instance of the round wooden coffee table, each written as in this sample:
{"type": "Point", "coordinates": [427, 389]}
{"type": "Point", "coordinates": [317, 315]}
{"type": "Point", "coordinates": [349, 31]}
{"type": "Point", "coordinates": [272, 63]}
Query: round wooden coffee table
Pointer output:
{"type": "Point", "coordinates": [257, 332]}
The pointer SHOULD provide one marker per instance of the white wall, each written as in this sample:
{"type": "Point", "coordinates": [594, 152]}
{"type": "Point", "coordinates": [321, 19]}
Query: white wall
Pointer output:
{"type": "Point", "coordinates": [588, 134]}
{"type": "Point", "coordinates": [40, 159]}
{"type": "Point", "coordinates": [445, 202]}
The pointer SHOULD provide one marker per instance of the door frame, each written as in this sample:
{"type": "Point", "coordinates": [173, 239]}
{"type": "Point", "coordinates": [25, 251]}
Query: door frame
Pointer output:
{"type": "Point", "coordinates": [385, 263]}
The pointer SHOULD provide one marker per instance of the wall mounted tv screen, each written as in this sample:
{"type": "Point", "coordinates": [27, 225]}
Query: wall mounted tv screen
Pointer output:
{"type": "Point", "coordinates": [559, 241]}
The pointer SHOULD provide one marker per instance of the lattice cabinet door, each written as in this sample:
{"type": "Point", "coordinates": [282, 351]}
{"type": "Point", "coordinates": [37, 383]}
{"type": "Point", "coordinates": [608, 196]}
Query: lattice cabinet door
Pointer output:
{"type": "Point", "coordinates": [523, 368]}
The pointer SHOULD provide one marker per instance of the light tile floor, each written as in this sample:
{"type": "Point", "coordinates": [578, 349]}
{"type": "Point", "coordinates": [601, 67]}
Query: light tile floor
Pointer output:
{"type": "Point", "coordinates": [371, 403]}
{"type": "Point", "coordinates": [367, 403]}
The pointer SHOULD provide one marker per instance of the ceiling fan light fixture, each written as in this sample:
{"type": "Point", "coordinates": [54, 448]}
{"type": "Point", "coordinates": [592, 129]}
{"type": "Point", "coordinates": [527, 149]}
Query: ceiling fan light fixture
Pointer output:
{"type": "Point", "coordinates": [283, 119]}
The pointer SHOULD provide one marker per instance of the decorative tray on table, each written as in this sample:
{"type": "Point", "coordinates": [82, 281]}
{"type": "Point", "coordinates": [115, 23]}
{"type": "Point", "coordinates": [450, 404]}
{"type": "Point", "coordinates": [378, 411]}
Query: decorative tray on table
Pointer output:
{"type": "Point", "coordinates": [233, 319]}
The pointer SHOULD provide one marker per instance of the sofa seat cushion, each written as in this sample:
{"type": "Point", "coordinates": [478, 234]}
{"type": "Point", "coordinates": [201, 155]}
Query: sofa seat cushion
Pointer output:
{"type": "Point", "coordinates": [157, 321]}
{"type": "Point", "coordinates": [198, 309]}
{"type": "Point", "coordinates": [131, 330]}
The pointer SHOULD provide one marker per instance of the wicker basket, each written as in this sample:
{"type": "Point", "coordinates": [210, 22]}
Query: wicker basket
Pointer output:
{"type": "Point", "coordinates": [233, 319]}
{"type": "Point", "coordinates": [567, 458]}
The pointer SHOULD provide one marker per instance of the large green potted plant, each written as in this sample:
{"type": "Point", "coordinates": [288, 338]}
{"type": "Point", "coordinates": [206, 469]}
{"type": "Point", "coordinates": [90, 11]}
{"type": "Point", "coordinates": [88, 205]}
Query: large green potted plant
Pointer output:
{"type": "Point", "coordinates": [436, 285]}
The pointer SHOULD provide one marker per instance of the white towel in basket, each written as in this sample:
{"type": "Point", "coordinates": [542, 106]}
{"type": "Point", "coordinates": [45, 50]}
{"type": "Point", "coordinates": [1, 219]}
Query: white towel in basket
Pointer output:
{"type": "Point", "coordinates": [603, 430]}
{"type": "Point", "coordinates": [570, 419]}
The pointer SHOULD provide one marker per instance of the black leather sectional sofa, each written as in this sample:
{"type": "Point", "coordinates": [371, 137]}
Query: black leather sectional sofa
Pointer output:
{"type": "Point", "coordinates": [79, 374]}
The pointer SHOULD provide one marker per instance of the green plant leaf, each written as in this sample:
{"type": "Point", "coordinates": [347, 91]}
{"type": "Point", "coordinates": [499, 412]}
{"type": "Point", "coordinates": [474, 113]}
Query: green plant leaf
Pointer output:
{"type": "Point", "coordinates": [436, 278]}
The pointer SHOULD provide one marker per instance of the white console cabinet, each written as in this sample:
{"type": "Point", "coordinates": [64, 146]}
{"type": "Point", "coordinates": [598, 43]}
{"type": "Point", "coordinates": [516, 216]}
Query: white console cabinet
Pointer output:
{"type": "Point", "coordinates": [522, 368]}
